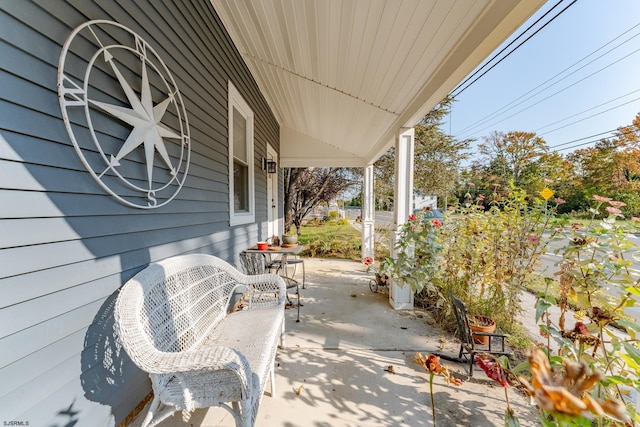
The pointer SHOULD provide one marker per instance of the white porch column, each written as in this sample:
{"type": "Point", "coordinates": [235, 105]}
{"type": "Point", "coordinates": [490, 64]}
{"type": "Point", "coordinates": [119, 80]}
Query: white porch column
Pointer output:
{"type": "Point", "coordinates": [402, 298]}
{"type": "Point", "coordinates": [368, 214]}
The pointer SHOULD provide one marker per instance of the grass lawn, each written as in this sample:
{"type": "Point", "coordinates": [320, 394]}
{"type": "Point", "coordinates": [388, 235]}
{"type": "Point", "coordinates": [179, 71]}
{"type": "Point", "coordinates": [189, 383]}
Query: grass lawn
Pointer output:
{"type": "Point", "coordinates": [536, 285]}
{"type": "Point", "coordinates": [333, 239]}
{"type": "Point", "coordinates": [338, 239]}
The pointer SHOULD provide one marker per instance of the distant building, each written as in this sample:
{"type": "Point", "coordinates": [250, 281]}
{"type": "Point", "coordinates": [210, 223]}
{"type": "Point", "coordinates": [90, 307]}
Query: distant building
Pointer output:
{"type": "Point", "coordinates": [420, 202]}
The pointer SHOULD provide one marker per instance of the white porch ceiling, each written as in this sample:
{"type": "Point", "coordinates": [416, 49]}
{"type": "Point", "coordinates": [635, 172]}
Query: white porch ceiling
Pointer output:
{"type": "Point", "coordinates": [343, 76]}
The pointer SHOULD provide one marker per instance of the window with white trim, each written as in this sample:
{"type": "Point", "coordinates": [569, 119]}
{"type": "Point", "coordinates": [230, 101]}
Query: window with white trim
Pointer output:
{"type": "Point", "coordinates": [241, 181]}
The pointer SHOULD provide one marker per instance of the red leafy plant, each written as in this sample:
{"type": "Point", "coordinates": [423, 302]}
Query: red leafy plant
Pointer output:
{"type": "Point", "coordinates": [497, 368]}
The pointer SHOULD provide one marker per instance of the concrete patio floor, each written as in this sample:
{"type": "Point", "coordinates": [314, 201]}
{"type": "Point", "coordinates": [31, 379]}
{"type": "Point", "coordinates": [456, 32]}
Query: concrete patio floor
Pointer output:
{"type": "Point", "coordinates": [332, 371]}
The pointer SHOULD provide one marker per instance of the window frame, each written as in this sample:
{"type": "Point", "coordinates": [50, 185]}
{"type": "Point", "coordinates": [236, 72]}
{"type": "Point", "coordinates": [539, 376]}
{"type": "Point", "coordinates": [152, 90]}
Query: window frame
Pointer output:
{"type": "Point", "coordinates": [237, 101]}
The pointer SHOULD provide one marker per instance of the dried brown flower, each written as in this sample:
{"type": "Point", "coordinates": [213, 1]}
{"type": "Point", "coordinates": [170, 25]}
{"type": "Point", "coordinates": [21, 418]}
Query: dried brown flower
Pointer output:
{"type": "Point", "coordinates": [431, 364]}
{"type": "Point", "coordinates": [600, 316]}
{"type": "Point", "coordinates": [567, 392]}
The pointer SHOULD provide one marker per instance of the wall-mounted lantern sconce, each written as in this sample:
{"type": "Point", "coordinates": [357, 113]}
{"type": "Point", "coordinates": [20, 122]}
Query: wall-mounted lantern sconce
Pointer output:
{"type": "Point", "coordinates": [269, 165]}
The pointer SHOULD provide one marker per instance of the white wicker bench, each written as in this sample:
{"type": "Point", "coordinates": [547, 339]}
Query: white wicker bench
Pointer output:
{"type": "Point", "coordinates": [172, 319]}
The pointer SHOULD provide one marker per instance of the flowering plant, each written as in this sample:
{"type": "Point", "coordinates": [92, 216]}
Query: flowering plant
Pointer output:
{"type": "Point", "coordinates": [597, 275]}
{"type": "Point", "coordinates": [497, 369]}
{"type": "Point", "coordinates": [417, 254]}
{"type": "Point", "coordinates": [567, 393]}
{"type": "Point", "coordinates": [431, 364]}
{"type": "Point", "coordinates": [489, 253]}
{"type": "Point", "coordinates": [370, 263]}
{"type": "Point", "coordinates": [600, 256]}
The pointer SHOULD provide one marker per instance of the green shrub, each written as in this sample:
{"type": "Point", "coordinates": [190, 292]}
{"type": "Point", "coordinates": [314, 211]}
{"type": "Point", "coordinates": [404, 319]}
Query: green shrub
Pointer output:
{"type": "Point", "coordinates": [483, 257]}
{"type": "Point", "coordinates": [489, 255]}
{"type": "Point", "coordinates": [315, 221]}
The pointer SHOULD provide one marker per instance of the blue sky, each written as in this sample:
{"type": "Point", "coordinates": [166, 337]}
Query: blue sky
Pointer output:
{"type": "Point", "coordinates": [574, 104]}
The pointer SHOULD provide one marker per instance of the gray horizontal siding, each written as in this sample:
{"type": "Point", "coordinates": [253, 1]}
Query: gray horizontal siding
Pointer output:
{"type": "Point", "coordinates": [38, 362]}
{"type": "Point", "coordinates": [21, 204]}
{"type": "Point", "coordinates": [39, 283]}
{"type": "Point", "coordinates": [66, 246]}
{"type": "Point", "coordinates": [36, 231]}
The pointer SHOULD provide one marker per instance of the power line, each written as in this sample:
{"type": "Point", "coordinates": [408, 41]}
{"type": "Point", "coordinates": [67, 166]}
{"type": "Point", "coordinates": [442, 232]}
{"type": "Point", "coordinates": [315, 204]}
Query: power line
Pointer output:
{"type": "Point", "coordinates": [502, 50]}
{"type": "Point", "coordinates": [553, 81]}
{"type": "Point", "coordinates": [584, 111]}
{"type": "Point", "coordinates": [600, 134]}
{"type": "Point", "coordinates": [563, 89]}
{"type": "Point", "coordinates": [597, 140]}
{"type": "Point", "coordinates": [594, 135]}
{"type": "Point", "coordinates": [506, 108]}
{"type": "Point", "coordinates": [555, 148]}
{"type": "Point", "coordinates": [592, 116]}
{"type": "Point", "coordinates": [583, 138]}
{"type": "Point", "coordinates": [458, 90]}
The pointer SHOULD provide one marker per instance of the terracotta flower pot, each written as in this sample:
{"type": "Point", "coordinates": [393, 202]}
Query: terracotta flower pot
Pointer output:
{"type": "Point", "coordinates": [482, 324]}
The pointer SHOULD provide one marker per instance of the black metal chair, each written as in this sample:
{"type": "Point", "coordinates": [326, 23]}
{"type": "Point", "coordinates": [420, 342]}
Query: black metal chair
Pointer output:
{"type": "Point", "coordinates": [284, 261]}
{"type": "Point", "coordinates": [468, 347]}
{"type": "Point", "coordinates": [256, 263]}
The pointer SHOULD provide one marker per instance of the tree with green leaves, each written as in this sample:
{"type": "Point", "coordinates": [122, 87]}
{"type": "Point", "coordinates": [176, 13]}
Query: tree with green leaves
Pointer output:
{"type": "Point", "coordinates": [612, 167]}
{"type": "Point", "coordinates": [513, 152]}
{"type": "Point", "coordinates": [437, 158]}
{"type": "Point", "coordinates": [555, 171]}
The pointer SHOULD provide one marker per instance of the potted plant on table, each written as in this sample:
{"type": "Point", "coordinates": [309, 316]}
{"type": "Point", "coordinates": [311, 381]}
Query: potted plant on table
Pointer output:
{"type": "Point", "coordinates": [290, 237]}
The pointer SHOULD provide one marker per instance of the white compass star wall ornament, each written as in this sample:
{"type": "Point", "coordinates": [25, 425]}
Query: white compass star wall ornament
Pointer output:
{"type": "Point", "coordinates": [124, 114]}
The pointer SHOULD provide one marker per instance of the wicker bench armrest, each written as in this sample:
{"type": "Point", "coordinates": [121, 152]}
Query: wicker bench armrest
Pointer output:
{"type": "Point", "coordinates": [207, 359]}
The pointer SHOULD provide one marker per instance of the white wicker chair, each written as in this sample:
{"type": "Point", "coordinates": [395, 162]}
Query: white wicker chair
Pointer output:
{"type": "Point", "coordinates": [172, 319]}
